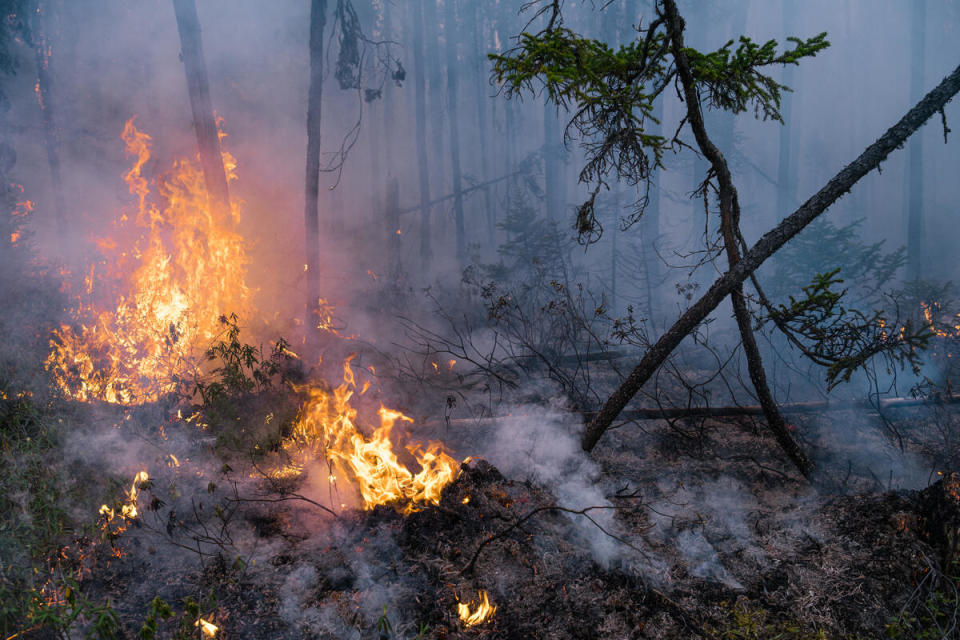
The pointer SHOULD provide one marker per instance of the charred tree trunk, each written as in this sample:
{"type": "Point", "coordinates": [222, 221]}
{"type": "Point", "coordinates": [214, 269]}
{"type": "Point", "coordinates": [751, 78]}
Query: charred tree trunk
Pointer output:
{"type": "Point", "coordinates": [450, 21]}
{"type": "Point", "coordinates": [840, 184]}
{"type": "Point", "coordinates": [915, 230]}
{"type": "Point", "coordinates": [419, 89]}
{"type": "Point", "coordinates": [198, 88]}
{"type": "Point", "coordinates": [311, 215]}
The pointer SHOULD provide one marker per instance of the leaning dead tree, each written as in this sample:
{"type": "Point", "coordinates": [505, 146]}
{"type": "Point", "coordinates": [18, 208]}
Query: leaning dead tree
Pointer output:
{"type": "Point", "coordinates": [611, 94]}
{"type": "Point", "coordinates": [198, 88]}
{"type": "Point", "coordinates": [870, 159]}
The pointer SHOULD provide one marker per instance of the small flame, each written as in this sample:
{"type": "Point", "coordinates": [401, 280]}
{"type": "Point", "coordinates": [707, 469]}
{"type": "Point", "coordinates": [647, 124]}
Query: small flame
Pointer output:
{"type": "Point", "coordinates": [208, 629]}
{"type": "Point", "coordinates": [128, 510]}
{"type": "Point", "coordinates": [483, 612]}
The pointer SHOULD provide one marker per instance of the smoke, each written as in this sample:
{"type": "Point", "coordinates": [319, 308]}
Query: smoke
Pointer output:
{"type": "Point", "coordinates": [540, 444]}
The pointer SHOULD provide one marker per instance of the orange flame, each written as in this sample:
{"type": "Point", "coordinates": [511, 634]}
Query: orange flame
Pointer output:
{"type": "Point", "coordinates": [483, 612]}
{"type": "Point", "coordinates": [208, 629]}
{"type": "Point", "coordinates": [328, 421]}
{"type": "Point", "coordinates": [128, 510]}
{"type": "Point", "coordinates": [188, 268]}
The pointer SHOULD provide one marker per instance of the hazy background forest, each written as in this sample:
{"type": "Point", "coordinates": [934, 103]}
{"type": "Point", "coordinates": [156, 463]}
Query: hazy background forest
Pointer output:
{"type": "Point", "coordinates": [112, 61]}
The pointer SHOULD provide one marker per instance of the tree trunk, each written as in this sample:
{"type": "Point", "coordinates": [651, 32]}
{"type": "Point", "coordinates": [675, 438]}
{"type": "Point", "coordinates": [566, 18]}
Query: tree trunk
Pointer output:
{"type": "Point", "coordinates": [550, 159]}
{"type": "Point", "coordinates": [51, 135]}
{"type": "Point", "coordinates": [198, 88]}
{"type": "Point", "coordinates": [614, 254]}
{"type": "Point", "coordinates": [449, 26]}
{"type": "Point", "coordinates": [915, 230]}
{"type": "Point", "coordinates": [311, 215]}
{"type": "Point", "coordinates": [480, 81]}
{"type": "Point", "coordinates": [730, 227]}
{"type": "Point", "coordinates": [840, 184]}
{"type": "Point", "coordinates": [419, 90]}
{"type": "Point", "coordinates": [393, 224]}
{"type": "Point", "coordinates": [431, 43]}
{"type": "Point", "coordinates": [786, 183]}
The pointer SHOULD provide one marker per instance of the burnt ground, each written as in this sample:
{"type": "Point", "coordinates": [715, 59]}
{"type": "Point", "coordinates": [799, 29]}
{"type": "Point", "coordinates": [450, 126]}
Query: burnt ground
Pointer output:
{"type": "Point", "coordinates": [708, 537]}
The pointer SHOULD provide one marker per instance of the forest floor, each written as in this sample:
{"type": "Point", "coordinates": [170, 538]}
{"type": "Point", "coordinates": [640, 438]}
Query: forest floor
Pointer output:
{"type": "Point", "coordinates": [670, 530]}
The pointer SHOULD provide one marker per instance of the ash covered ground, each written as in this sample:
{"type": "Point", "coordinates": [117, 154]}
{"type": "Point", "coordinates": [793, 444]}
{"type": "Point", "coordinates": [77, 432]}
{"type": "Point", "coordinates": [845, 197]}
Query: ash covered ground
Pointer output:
{"type": "Point", "coordinates": [655, 536]}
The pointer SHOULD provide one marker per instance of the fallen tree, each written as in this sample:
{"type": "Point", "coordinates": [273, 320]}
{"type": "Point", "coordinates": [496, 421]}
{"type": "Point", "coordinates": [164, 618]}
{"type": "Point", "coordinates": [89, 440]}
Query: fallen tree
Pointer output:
{"type": "Point", "coordinates": [732, 411]}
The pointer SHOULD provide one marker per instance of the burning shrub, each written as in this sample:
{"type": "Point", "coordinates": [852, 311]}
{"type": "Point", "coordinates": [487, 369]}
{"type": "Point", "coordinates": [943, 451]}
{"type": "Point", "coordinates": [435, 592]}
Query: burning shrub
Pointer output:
{"type": "Point", "coordinates": [165, 295]}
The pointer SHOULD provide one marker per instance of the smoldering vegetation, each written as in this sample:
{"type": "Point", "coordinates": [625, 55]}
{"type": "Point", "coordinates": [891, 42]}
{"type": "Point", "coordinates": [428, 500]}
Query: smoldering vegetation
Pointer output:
{"type": "Point", "coordinates": [202, 437]}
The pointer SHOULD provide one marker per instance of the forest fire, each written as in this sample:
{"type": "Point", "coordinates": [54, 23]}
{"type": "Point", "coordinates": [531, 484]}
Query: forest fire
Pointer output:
{"type": "Point", "coordinates": [327, 427]}
{"type": "Point", "coordinates": [166, 294]}
{"type": "Point", "coordinates": [702, 398]}
{"type": "Point", "coordinates": [170, 291]}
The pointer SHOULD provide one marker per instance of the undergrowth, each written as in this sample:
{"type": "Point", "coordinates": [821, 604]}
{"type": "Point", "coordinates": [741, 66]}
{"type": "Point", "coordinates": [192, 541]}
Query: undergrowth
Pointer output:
{"type": "Point", "coordinates": [36, 525]}
{"type": "Point", "coordinates": [245, 397]}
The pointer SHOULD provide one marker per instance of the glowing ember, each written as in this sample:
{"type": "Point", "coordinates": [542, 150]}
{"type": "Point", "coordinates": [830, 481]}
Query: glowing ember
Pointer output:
{"type": "Point", "coordinates": [166, 292]}
{"type": "Point", "coordinates": [208, 629]}
{"type": "Point", "coordinates": [483, 612]}
{"type": "Point", "coordinates": [328, 422]}
{"type": "Point", "coordinates": [939, 328]}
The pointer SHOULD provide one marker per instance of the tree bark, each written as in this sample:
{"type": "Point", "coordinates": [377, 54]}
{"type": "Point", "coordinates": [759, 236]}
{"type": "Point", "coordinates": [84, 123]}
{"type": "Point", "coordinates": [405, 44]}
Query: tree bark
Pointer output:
{"type": "Point", "coordinates": [730, 228]}
{"type": "Point", "coordinates": [311, 214]}
{"type": "Point", "coordinates": [449, 26]}
{"type": "Point", "coordinates": [198, 88]}
{"type": "Point", "coordinates": [840, 184]}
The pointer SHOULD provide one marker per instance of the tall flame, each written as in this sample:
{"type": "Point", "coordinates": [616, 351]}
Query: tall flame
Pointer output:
{"type": "Point", "coordinates": [185, 270]}
{"type": "Point", "coordinates": [328, 422]}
